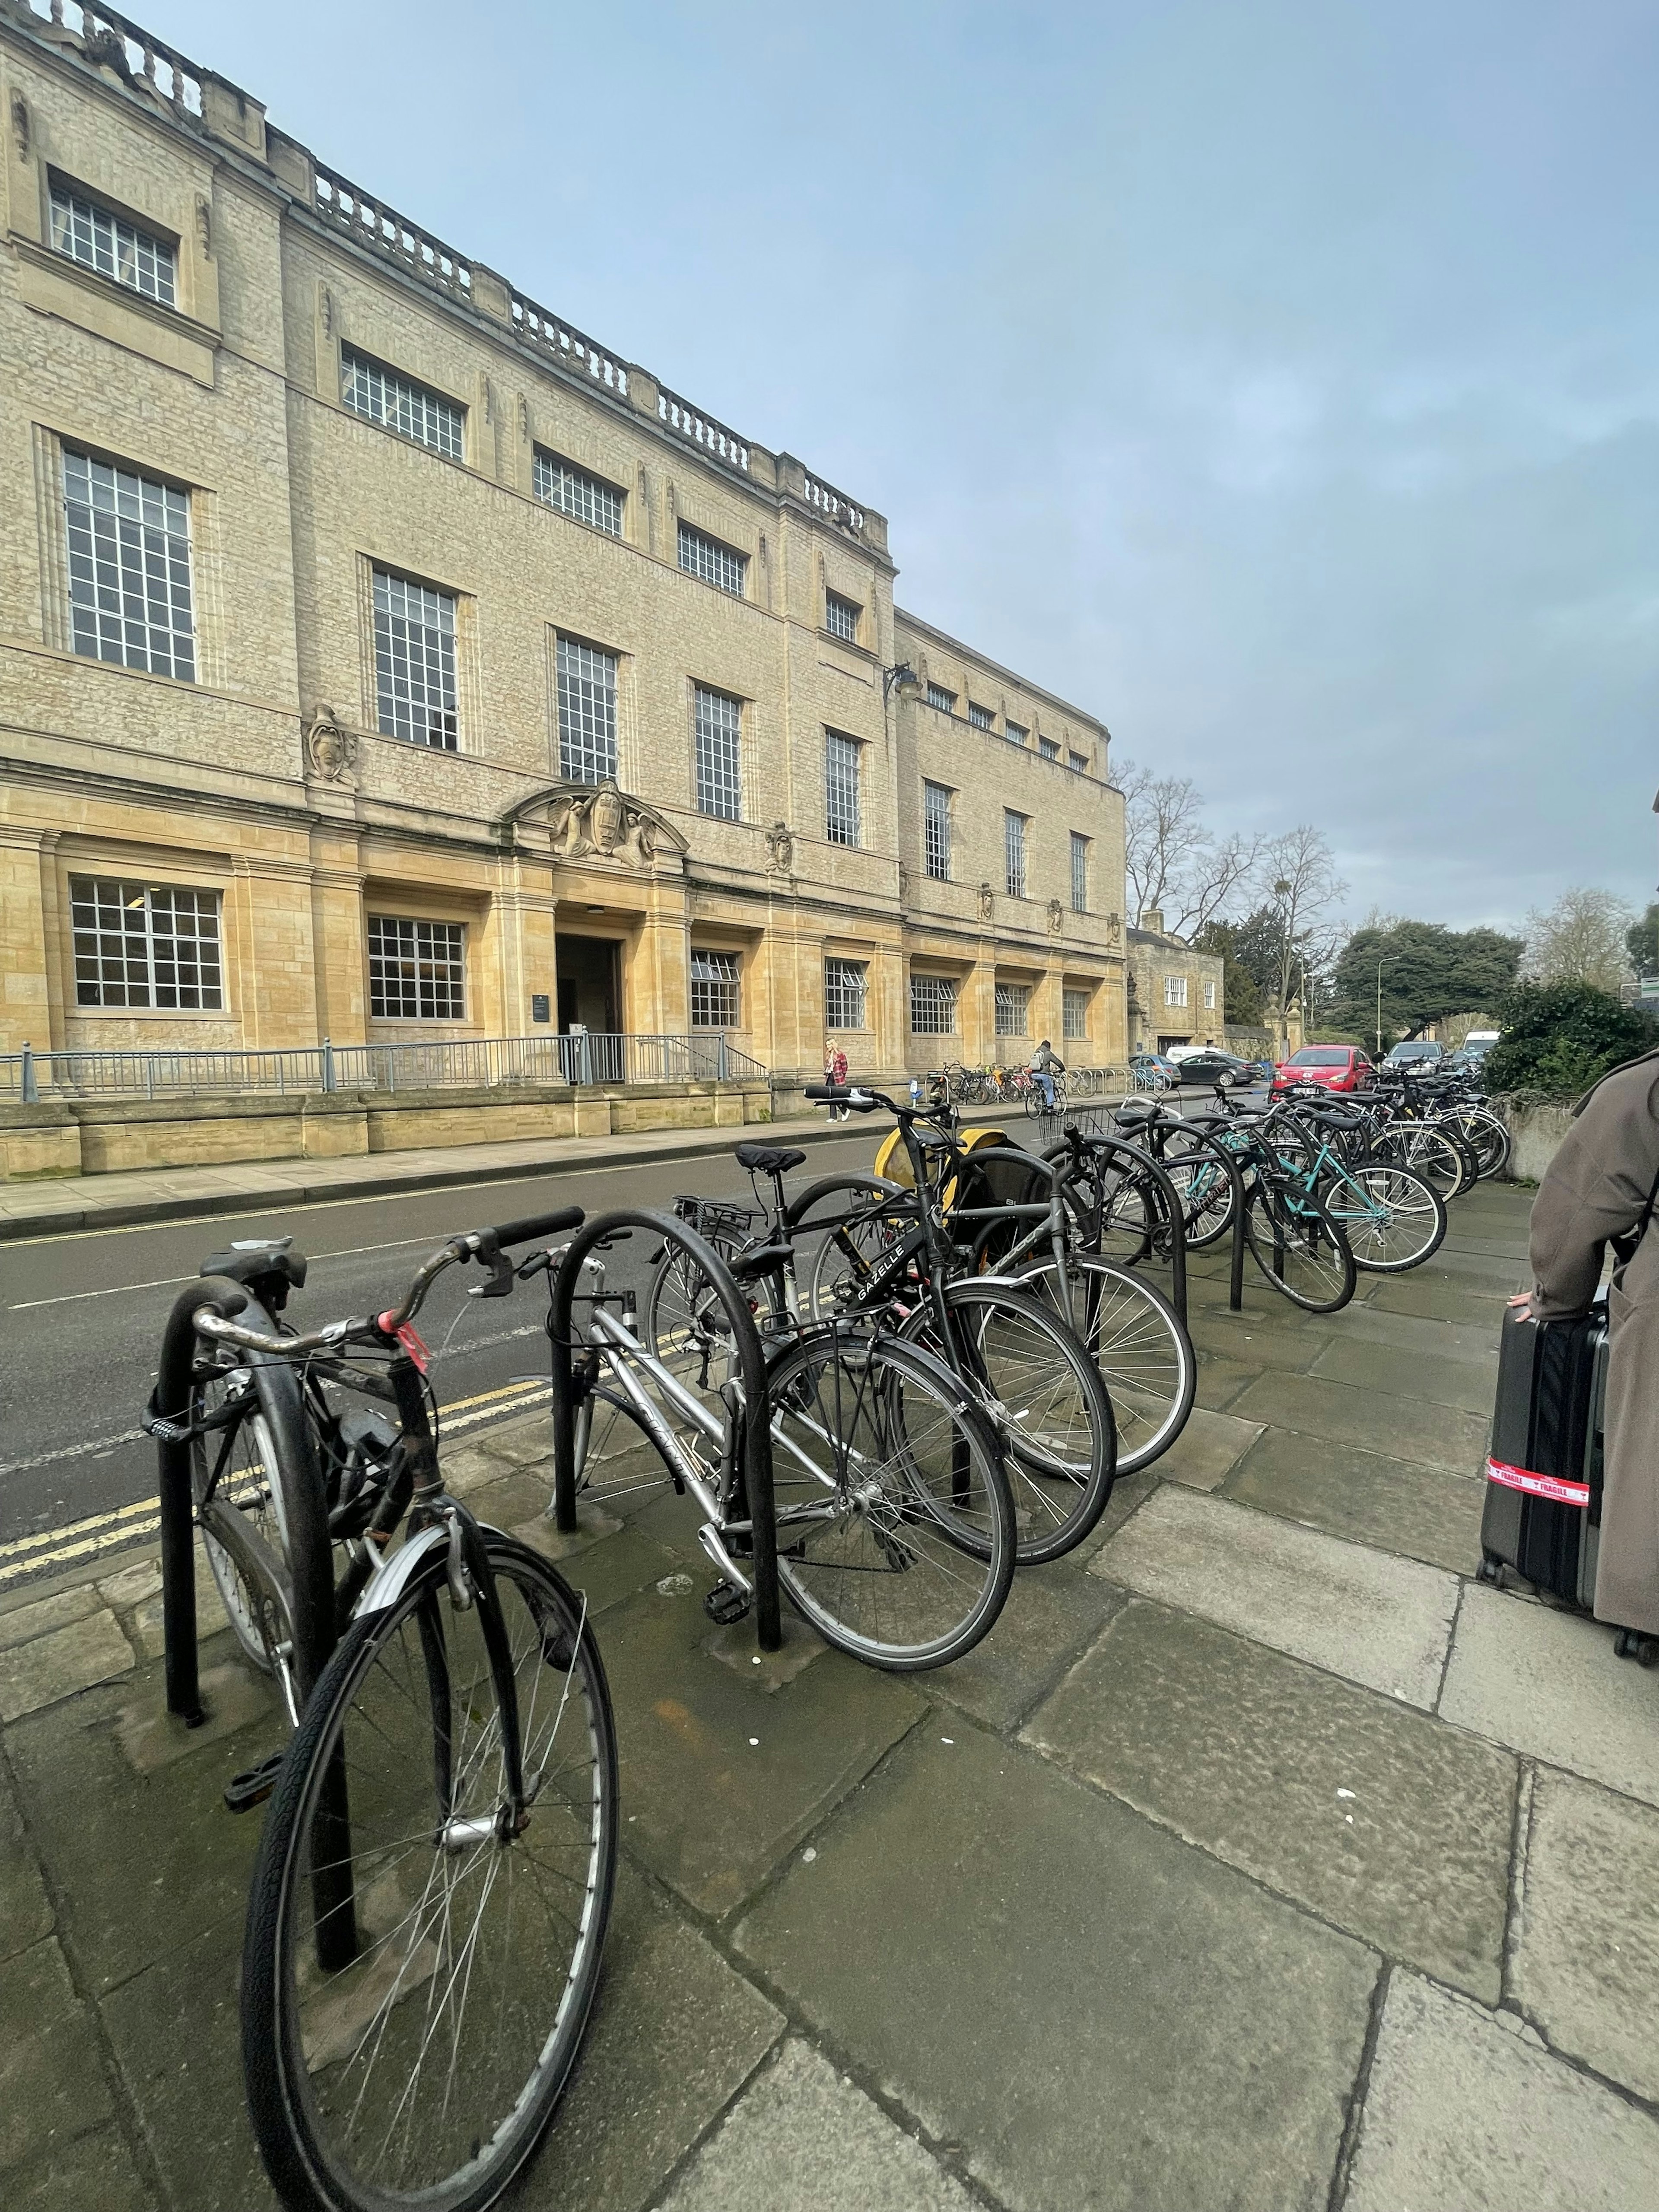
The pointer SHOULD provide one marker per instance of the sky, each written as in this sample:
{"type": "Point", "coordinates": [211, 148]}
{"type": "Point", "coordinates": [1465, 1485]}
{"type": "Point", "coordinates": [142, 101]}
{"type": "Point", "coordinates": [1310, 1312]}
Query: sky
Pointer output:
{"type": "Point", "coordinates": [1279, 382]}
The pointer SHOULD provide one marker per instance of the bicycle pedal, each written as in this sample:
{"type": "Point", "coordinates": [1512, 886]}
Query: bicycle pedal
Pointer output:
{"type": "Point", "coordinates": [726, 1604]}
{"type": "Point", "coordinates": [251, 1787]}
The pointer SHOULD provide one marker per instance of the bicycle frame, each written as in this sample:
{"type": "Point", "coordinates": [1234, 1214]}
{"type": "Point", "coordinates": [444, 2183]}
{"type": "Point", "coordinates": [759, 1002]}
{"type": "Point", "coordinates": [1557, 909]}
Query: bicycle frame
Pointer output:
{"type": "Point", "coordinates": [752, 1426]}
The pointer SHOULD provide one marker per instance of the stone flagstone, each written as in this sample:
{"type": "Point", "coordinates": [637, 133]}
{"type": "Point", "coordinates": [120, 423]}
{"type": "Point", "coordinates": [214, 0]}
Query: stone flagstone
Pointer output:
{"type": "Point", "coordinates": [1547, 1682]}
{"type": "Point", "coordinates": [804, 2135]}
{"type": "Point", "coordinates": [1587, 1954]}
{"type": "Point", "coordinates": [1099, 2014]}
{"type": "Point", "coordinates": [1463, 2115]}
{"type": "Point", "coordinates": [1378, 1620]}
{"type": "Point", "coordinates": [1387, 1822]}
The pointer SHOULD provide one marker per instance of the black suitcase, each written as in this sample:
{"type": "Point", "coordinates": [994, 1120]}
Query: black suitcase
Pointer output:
{"type": "Point", "coordinates": [1543, 1508]}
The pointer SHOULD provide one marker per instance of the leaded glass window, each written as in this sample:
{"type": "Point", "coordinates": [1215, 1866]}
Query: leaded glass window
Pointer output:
{"type": "Point", "coordinates": [932, 1006]}
{"type": "Point", "coordinates": [845, 988]}
{"type": "Point", "coordinates": [587, 712]}
{"type": "Point", "coordinates": [1013, 1000]}
{"type": "Point", "coordinates": [145, 944]}
{"type": "Point", "coordinates": [414, 662]}
{"type": "Point", "coordinates": [1013, 848]}
{"type": "Point", "coordinates": [1080, 872]}
{"type": "Point", "coordinates": [713, 990]}
{"type": "Point", "coordinates": [416, 970]}
{"type": "Point", "coordinates": [841, 788]}
{"type": "Point", "coordinates": [939, 697]}
{"type": "Point", "coordinates": [936, 829]}
{"type": "Point", "coordinates": [705, 557]}
{"type": "Point", "coordinates": [1073, 1014]}
{"type": "Point", "coordinates": [574, 492]}
{"type": "Point", "coordinates": [113, 246]}
{"type": "Point", "coordinates": [381, 395]}
{"type": "Point", "coordinates": [982, 718]}
{"type": "Point", "coordinates": [718, 721]}
{"type": "Point", "coordinates": [841, 617]}
{"type": "Point", "coordinates": [1016, 733]}
{"type": "Point", "coordinates": [129, 568]}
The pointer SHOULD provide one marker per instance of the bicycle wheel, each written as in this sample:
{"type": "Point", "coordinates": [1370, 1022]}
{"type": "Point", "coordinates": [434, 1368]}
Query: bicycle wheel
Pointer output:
{"type": "Point", "coordinates": [1045, 1400]}
{"type": "Point", "coordinates": [1193, 1164]}
{"type": "Point", "coordinates": [1392, 1218]}
{"type": "Point", "coordinates": [1487, 1137]}
{"type": "Point", "coordinates": [1144, 1355]}
{"type": "Point", "coordinates": [259, 1501]}
{"type": "Point", "coordinates": [1298, 1247]}
{"type": "Point", "coordinates": [896, 1531]}
{"type": "Point", "coordinates": [1431, 1153]}
{"type": "Point", "coordinates": [421, 2065]}
{"type": "Point", "coordinates": [684, 1317]}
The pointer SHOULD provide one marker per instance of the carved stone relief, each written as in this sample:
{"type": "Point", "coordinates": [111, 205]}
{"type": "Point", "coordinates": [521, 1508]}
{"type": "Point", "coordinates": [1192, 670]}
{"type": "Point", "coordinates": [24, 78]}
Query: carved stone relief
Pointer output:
{"type": "Point", "coordinates": [331, 751]}
{"type": "Point", "coordinates": [1056, 917]}
{"type": "Point", "coordinates": [19, 124]}
{"type": "Point", "coordinates": [204, 225]}
{"type": "Point", "coordinates": [781, 849]}
{"type": "Point", "coordinates": [988, 903]}
{"type": "Point", "coordinates": [604, 823]}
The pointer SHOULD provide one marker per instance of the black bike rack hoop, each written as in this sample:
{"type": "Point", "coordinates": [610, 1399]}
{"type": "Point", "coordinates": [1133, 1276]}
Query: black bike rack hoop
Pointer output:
{"type": "Point", "coordinates": [219, 1295]}
{"type": "Point", "coordinates": [751, 1366]}
{"type": "Point", "coordinates": [1175, 1214]}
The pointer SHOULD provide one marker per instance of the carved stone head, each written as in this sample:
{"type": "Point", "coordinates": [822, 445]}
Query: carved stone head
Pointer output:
{"type": "Point", "coordinates": [331, 751]}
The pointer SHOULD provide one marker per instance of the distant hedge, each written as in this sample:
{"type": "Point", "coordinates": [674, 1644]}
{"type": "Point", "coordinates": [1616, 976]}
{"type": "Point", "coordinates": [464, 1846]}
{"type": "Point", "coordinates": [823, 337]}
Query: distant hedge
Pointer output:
{"type": "Point", "coordinates": [1558, 1037]}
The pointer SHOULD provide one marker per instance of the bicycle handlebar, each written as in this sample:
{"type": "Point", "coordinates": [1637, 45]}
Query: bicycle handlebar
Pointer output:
{"type": "Point", "coordinates": [484, 1245]}
{"type": "Point", "coordinates": [839, 1094]}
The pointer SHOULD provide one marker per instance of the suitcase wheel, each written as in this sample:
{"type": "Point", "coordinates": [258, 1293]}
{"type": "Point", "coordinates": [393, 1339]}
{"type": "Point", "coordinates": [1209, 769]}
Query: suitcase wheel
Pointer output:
{"type": "Point", "coordinates": [1631, 1643]}
{"type": "Point", "coordinates": [1490, 1570]}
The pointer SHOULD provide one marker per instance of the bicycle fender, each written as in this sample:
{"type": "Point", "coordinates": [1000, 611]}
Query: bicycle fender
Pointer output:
{"type": "Point", "coordinates": [393, 1574]}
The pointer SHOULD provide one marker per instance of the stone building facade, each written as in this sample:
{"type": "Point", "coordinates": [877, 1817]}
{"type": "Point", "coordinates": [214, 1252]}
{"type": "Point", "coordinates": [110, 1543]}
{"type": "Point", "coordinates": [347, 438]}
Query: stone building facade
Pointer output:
{"type": "Point", "coordinates": [383, 660]}
{"type": "Point", "coordinates": [1176, 995]}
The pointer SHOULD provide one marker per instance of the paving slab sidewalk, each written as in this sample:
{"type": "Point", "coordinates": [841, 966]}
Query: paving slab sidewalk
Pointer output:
{"type": "Point", "coordinates": [1258, 1858]}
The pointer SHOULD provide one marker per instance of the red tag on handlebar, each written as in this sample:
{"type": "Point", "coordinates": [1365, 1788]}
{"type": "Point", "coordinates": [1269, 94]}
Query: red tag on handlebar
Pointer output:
{"type": "Point", "coordinates": [407, 1340]}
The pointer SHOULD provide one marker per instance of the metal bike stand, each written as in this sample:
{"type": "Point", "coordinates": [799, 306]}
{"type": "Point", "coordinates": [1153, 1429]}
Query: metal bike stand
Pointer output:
{"type": "Point", "coordinates": [751, 1367]}
{"type": "Point", "coordinates": [172, 1382]}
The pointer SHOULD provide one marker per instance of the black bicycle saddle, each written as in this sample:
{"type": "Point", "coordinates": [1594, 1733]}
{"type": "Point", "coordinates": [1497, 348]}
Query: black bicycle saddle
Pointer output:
{"type": "Point", "coordinates": [769, 1159]}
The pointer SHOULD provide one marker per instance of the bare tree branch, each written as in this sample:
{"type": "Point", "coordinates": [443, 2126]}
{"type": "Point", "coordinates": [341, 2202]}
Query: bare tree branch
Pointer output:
{"type": "Point", "coordinates": [1211, 877]}
{"type": "Point", "coordinates": [1163, 830]}
{"type": "Point", "coordinates": [1298, 872]}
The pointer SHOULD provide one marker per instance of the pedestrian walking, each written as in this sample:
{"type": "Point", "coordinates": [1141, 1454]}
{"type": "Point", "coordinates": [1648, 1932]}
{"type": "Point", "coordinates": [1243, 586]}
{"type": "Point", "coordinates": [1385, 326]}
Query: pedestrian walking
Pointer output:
{"type": "Point", "coordinates": [834, 1071]}
{"type": "Point", "coordinates": [1599, 1192]}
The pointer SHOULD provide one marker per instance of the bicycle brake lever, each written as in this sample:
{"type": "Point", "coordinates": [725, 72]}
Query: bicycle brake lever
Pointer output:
{"type": "Point", "coordinates": [500, 1284]}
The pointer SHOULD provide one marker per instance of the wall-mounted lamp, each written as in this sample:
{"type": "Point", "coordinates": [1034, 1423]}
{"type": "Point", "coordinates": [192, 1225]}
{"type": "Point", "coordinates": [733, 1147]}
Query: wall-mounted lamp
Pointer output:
{"type": "Point", "coordinates": [901, 679]}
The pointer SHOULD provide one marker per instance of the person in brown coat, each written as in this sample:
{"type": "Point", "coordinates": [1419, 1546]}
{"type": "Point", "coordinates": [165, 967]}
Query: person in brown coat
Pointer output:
{"type": "Point", "coordinates": [1598, 1190]}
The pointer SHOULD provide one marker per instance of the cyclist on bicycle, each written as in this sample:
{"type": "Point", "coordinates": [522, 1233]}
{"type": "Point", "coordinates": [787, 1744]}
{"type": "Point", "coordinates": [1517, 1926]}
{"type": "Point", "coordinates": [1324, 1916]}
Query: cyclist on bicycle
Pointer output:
{"type": "Point", "coordinates": [1046, 1064]}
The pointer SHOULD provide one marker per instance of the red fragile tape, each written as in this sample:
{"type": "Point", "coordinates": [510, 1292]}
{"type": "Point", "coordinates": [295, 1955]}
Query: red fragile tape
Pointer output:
{"type": "Point", "coordinates": [1538, 1485]}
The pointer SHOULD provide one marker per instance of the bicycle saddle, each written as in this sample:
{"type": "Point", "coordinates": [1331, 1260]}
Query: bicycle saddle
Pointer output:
{"type": "Point", "coordinates": [769, 1159]}
{"type": "Point", "coordinates": [252, 1263]}
{"type": "Point", "coordinates": [1128, 1116]}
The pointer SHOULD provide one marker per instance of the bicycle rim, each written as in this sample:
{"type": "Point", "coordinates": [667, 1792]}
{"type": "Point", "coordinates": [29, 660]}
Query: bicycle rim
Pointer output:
{"type": "Point", "coordinates": [1046, 1402]}
{"type": "Point", "coordinates": [896, 1534]}
{"type": "Point", "coordinates": [1392, 1218]}
{"type": "Point", "coordinates": [1298, 1248]}
{"type": "Point", "coordinates": [1144, 1355]}
{"type": "Point", "coordinates": [422, 2065]}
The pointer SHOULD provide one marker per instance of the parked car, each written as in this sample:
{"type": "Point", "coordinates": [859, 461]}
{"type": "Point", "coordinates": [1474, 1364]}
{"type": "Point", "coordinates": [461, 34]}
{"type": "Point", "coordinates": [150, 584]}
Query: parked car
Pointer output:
{"type": "Point", "coordinates": [1211, 1066]}
{"type": "Point", "coordinates": [1413, 1052]}
{"type": "Point", "coordinates": [1153, 1071]}
{"type": "Point", "coordinates": [1333, 1066]}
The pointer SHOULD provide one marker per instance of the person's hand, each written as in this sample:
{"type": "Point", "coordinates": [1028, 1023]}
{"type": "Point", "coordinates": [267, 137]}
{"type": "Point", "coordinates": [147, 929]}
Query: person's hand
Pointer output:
{"type": "Point", "coordinates": [1521, 1304]}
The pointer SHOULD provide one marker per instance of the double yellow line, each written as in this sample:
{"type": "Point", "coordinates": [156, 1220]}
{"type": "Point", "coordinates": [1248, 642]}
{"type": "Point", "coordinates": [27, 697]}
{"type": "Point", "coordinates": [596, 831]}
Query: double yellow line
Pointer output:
{"type": "Point", "coordinates": [109, 1532]}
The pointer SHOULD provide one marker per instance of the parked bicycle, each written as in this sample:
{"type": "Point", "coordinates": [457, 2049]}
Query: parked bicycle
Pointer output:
{"type": "Point", "coordinates": [429, 1902]}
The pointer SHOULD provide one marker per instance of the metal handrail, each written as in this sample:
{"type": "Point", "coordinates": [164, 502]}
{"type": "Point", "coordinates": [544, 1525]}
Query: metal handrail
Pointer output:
{"type": "Point", "coordinates": [593, 1057]}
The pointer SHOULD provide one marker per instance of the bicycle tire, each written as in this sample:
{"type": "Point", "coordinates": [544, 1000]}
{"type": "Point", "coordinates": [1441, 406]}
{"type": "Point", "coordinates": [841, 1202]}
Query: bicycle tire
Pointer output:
{"type": "Point", "coordinates": [922, 1513]}
{"type": "Point", "coordinates": [1287, 1229]}
{"type": "Point", "coordinates": [1488, 1137]}
{"type": "Point", "coordinates": [1062, 1465]}
{"type": "Point", "coordinates": [1194, 1165]}
{"type": "Point", "coordinates": [1413, 1222]}
{"type": "Point", "coordinates": [299, 2023]}
{"type": "Point", "coordinates": [1145, 1355]}
{"type": "Point", "coordinates": [280, 1565]}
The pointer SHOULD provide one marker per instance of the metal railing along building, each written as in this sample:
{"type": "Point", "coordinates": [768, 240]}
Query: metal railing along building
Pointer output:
{"type": "Point", "coordinates": [473, 1063]}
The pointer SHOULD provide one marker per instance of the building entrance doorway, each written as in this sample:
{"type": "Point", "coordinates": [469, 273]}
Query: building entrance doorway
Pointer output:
{"type": "Point", "coordinates": [589, 973]}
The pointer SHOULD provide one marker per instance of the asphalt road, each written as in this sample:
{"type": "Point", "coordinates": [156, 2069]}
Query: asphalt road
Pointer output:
{"type": "Point", "coordinates": [83, 1316]}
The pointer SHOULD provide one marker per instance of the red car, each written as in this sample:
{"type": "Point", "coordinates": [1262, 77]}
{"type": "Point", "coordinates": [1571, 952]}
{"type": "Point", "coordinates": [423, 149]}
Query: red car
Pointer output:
{"type": "Point", "coordinates": [1333, 1066]}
